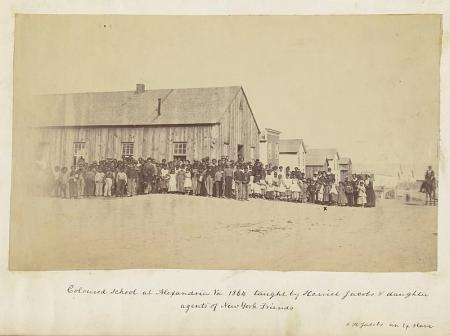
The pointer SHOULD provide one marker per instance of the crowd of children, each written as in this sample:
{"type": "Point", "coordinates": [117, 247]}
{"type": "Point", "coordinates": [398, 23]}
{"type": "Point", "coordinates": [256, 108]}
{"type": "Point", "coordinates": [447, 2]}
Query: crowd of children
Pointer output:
{"type": "Point", "coordinates": [210, 178]}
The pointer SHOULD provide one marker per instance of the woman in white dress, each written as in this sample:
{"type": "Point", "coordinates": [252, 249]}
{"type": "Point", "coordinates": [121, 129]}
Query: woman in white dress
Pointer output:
{"type": "Point", "coordinates": [281, 187]}
{"type": "Point", "coordinates": [287, 184]}
{"type": "Point", "coordinates": [269, 182]}
{"type": "Point", "coordinates": [188, 181]}
{"type": "Point", "coordinates": [172, 181]}
{"type": "Point", "coordinates": [320, 194]}
{"type": "Point", "coordinates": [295, 189]}
{"type": "Point", "coordinates": [362, 198]}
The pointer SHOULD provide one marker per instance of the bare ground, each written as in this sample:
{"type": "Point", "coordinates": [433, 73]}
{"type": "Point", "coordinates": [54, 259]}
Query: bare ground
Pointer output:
{"type": "Point", "coordinates": [174, 231]}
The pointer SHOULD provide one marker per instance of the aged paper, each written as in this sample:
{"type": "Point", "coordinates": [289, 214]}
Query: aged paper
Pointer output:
{"type": "Point", "coordinates": [362, 95]}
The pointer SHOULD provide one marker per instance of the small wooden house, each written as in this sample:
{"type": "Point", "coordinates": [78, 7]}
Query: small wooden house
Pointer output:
{"type": "Point", "coordinates": [162, 124]}
{"type": "Point", "coordinates": [321, 160]}
{"type": "Point", "coordinates": [345, 167]}
{"type": "Point", "coordinates": [268, 146]}
{"type": "Point", "coordinates": [293, 154]}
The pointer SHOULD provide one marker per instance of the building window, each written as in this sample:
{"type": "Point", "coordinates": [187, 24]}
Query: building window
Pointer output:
{"type": "Point", "coordinates": [79, 152]}
{"type": "Point", "coordinates": [127, 149]}
{"type": "Point", "coordinates": [179, 150]}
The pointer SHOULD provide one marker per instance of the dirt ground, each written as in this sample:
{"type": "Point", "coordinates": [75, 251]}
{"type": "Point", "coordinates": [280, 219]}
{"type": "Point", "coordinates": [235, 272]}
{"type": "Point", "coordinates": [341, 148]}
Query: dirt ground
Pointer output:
{"type": "Point", "coordinates": [175, 231]}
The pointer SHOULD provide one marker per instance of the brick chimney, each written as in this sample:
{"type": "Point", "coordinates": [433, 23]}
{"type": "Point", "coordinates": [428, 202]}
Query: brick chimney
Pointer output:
{"type": "Point", "coordinates": [140, 88]}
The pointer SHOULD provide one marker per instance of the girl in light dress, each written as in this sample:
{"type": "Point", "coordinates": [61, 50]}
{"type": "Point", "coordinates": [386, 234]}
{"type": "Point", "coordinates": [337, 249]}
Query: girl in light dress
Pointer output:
{"type": "Point", "coordinates": [276, 190]}
{"type": "Point", "coordinates": [281, 187]}
{"type": "Point", "coordinates": [288, 184]}
{"type": "Point", "coordinates": [270, 187]}
{"type": "Point", "coordinates": [251, 186]}
{"type": "Point", "coordinates": [362, 198]}
{"type": "Point", "coordinates": [320, 194]}
{"type": "Point", "coordinates": [295, 189]}
{"type": "Point", "coordinates": [257, 189]}
{"type": "Point", "coordinates": [165, 176]}
{"type": "Point", "coordinates": [172, 181]}
{"type": "Point", "coordinates": [263, 187]}
{"type": "Point", "coordinates": [188, 181]}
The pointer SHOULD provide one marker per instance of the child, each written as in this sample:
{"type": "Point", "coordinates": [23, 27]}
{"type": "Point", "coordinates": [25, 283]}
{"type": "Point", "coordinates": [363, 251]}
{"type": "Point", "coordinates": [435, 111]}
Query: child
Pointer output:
{"type": "Point", "coordinates": [172, 181]}
{"type": "Point", "coordinates": [295, 189]}
{"type": "Point", "coordinates": [270, 188]}
{"type": "Point", "coordinates": [288, 185]}
{"type": "Point", "coordinates": [320, 193]}
{"type": "Point", "coordinates": [188, 181]}
{"type": "Point", "coordinates": [164, 179]}
{"type": "Point", "coordinates": [250, 184]}
{"type": "Point", "coordinates": [362, 199]}
{"type": "Point", "coordinates": [257, 189]}
{"type": "Point", "coordinates": [263, 186]}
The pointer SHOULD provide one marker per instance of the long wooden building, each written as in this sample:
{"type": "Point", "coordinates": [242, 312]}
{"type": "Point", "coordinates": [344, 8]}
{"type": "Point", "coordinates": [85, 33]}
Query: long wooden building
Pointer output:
{"type": "Point", "coordinates": [161, 124]}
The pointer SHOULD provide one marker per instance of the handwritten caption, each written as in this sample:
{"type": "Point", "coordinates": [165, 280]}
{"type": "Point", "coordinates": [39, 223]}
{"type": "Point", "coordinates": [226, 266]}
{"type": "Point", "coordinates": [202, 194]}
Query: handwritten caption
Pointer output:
{"type": "Point", "coordinates": [246, 300]}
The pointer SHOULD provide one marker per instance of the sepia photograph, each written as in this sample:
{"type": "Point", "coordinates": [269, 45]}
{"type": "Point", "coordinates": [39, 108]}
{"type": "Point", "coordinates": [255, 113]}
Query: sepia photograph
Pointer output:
{"type": "Point", "coordinates": [278, 143]}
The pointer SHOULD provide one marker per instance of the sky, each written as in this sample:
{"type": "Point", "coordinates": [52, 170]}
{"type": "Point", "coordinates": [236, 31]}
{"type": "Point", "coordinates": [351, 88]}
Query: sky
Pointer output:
{"type": "Point", "coordinates": [366, 85]}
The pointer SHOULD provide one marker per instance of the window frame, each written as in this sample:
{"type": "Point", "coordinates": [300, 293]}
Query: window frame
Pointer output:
{"type": "Point", "coordinates": [180, 148]}
{"type": "Point", "coordinates": [125, 149]}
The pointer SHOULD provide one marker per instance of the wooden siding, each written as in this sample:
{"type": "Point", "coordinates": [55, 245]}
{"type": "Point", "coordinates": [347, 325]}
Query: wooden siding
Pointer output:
{"type": "Point", "coordinates": [149, 141]}
{"type": "Point", "coordinates": [238, 127]}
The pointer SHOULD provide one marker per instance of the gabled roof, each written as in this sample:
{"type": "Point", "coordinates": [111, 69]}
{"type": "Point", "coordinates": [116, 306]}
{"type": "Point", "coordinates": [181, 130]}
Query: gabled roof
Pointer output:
{"type": "Point", "coordinates": [318, 156]}
{"type": "Point", "coordinates": [345, 160]}
{"type": "Point", "coordinates": [178, 106]}
{"type": "Point", "coordinates": [290, 145]}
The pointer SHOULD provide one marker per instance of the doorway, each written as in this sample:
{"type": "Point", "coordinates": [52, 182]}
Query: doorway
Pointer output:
{"type": "Point", "coordinates": [240, 152]}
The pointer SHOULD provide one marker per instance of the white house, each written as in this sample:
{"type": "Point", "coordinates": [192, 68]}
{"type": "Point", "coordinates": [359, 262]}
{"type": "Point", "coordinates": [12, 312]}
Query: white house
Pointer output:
{"type": "Point", "coordinates": [322, 159]}
{"type": "Point", "coordinates": [292, 153]}
{"type": "Point", "coordinates": [268, 146]}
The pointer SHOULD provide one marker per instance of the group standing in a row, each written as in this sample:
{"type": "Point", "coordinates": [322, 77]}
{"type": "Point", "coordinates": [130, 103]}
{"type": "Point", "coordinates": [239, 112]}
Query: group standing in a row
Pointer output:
{"type": "Point", "coordinates": [210, 178]}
